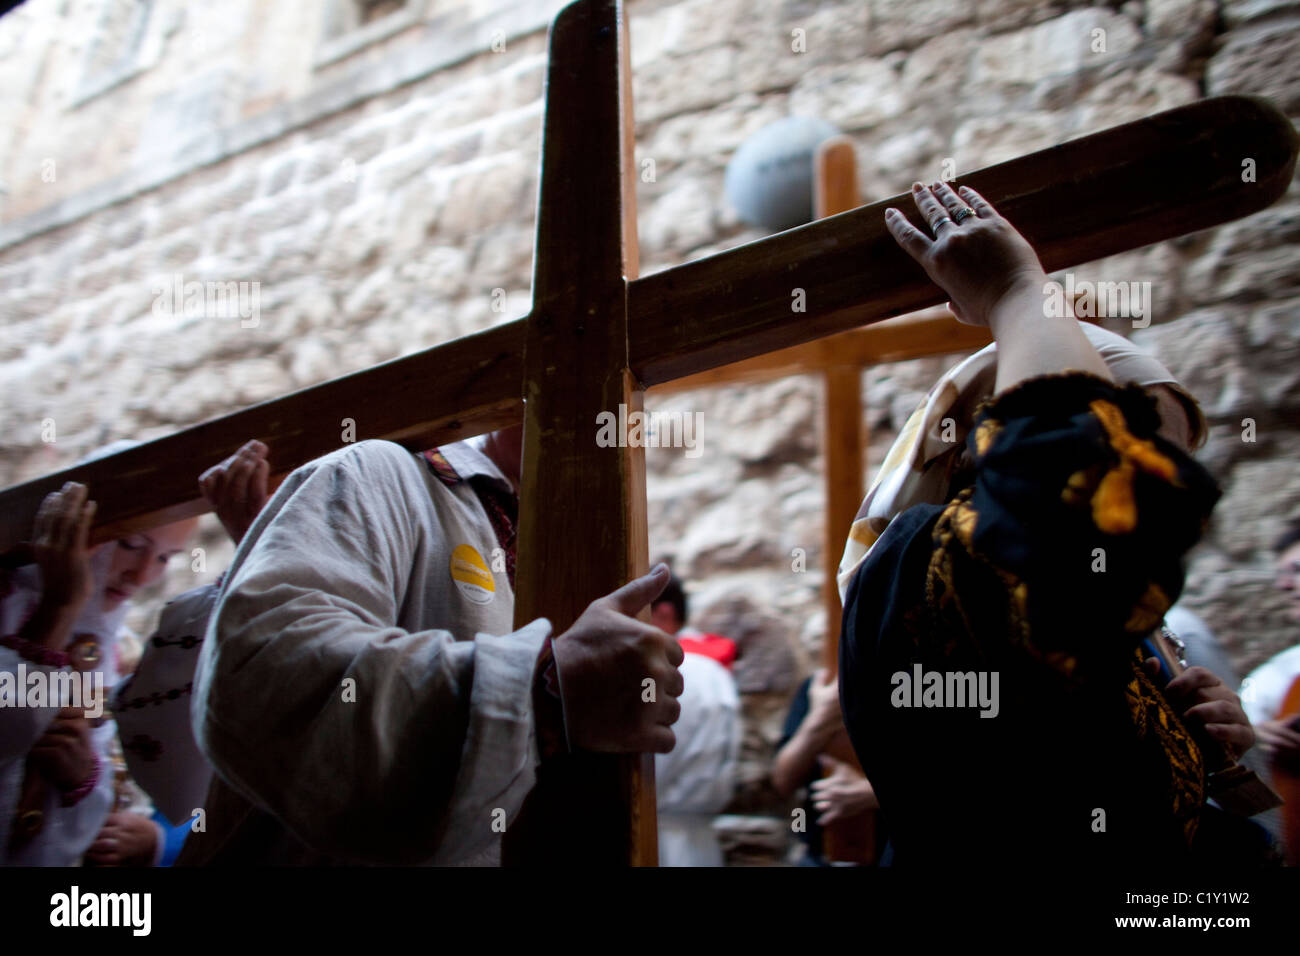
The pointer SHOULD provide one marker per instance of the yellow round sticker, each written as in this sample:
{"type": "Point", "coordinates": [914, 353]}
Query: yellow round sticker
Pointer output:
{"type": "Point", "coordinates": [471, 574]}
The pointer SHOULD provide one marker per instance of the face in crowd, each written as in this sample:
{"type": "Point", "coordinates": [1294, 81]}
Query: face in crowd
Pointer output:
{"type": "Point", "coordinates": [139, 559]}
{"type": "Point", "coordinates": [1288, 578]}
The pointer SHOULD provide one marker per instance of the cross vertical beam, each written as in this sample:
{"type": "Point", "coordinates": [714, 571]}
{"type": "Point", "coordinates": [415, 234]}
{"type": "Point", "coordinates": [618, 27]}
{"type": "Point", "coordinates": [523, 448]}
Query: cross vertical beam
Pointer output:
{"type": "Point", "coordinates": [582, 525]}
{"type": "Point", "coordinates": [835, 184]}
{"type": "Point", "coordinates": [835, 190]}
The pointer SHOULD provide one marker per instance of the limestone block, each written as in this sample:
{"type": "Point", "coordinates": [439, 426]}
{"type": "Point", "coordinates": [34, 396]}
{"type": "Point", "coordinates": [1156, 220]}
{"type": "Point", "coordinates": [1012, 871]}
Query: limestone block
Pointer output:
{"type": "Point", "coordinates": [277, 173]}
{"type": "Point", "coordinates": [729, 533]}
{"type": "Point", "coordinates": [895, 24]}
{"type": "Point", "coordinates": [1262, 489]}
{"type": "Point", "coordinates": [1237, 12]}
{"type": "Point", "coordinates": [1081, 39]}
{"type": "Point", "coordinates": [986, 140]}
{"type": "Point", "coordinates": [504, 256]}
{"type": "Point", "coordinates": [1170, 18]}
{"type": "Point", "coordinates": [766, 658]}
{"type": "Point", "coordinates": [712, 136]}
{"type": "Point", "coordinates": [357, 235]}
{"type": "Point", "coordinates": [998, 16]}
{"type": "Point", "coordinates": [695, 25]}
{"type": "Point", "coordinates": [518, 130]}
{"type": "Point", "coordinates": [1250, 258]}
{"type": "Point", "coordinates": [667, 86]}
{"type": "Point", "coordinates": [439, 272]}
{"type": "Point", "coordinates": [940, 67]}
{"type": "Point", "coordinates": [1264, 60]}
{"type": "Point", "coordinates": [1241, 605]}
{"type": "Point", "coordinates": [486, 193]}
{"type": "Point", "coordinates": [680, 219]}
{"type": "Point", "coordinates": [1204, 353]}
{"type": "Point", "coordinates": [370, 297]}
{"type": "Point", "coordinates": [256, 380]}
{"type": "Point", "coordinates": [396, 167]}
{"type": "Point", "coordinates": [1131, 96]}
{"type": "Point", "coordinates": [851, 96]}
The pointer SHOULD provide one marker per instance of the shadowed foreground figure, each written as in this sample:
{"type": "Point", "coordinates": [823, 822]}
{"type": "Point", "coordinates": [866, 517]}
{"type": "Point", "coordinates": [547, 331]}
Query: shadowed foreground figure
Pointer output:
{"type": "Point", "coordinates": [996, 597]}
{"type": "Point", "coordinates": [363, 694]}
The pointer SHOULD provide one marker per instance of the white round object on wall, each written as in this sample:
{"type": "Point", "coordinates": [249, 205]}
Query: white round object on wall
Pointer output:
{"type": "Point", "coordinates": [770, 179]}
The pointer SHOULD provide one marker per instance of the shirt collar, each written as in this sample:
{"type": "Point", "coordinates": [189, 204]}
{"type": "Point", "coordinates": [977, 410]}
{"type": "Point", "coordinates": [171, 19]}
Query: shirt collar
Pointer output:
{"type": "Point", "coordinates": [468, 458]}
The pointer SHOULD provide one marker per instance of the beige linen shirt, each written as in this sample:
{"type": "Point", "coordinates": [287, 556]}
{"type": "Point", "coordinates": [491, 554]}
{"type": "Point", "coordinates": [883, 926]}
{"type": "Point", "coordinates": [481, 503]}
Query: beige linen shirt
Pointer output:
{"type": "Point", "coordinates": [361, 679]}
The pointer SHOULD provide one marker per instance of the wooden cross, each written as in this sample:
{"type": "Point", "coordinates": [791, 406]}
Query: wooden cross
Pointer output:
{"type": "Point", "coordinates": [598, 336]}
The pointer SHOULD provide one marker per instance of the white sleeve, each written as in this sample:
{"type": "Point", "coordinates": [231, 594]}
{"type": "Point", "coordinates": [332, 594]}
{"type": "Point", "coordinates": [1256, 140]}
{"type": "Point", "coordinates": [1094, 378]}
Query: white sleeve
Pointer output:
{"type": "Point", "coordinates": [699, 774]}
{"type": "Point", "coordinates": [1265, 688]}
{"type": "Point", "coordinates": [152, 709]}
{"type": "Point", "coordinates": [368, 741]}
{"type": "Point", "coordinates": [20, 726]}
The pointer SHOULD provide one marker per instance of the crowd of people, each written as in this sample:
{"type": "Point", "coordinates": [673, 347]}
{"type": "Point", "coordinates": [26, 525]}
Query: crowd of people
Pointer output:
{"type": "Point", "coordinates": [354, 689]}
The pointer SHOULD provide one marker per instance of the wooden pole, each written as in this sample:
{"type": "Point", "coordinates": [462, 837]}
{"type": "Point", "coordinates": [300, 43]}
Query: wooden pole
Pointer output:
{"type": "Point", "coordinates": [835, 184]}
{"type": "Point", "coordinates": [582, 524]}
{"type": "Point", "coordinates": [836, 190]}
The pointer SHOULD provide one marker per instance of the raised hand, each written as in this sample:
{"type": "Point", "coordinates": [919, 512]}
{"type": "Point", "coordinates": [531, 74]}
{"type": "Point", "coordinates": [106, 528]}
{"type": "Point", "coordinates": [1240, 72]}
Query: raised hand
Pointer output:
{"type": "Point", "coordinates": [59, 547]}
{"type": "Point", "coordinates": [976, 256]}
{"type": "Point", "coordinates": [236, 488]}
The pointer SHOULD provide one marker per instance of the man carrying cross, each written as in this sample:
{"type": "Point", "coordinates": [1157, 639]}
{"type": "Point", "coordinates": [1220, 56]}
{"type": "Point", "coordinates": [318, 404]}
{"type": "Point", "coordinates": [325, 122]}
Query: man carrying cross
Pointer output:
{"type": "Point", "coordinates": [362, 683]}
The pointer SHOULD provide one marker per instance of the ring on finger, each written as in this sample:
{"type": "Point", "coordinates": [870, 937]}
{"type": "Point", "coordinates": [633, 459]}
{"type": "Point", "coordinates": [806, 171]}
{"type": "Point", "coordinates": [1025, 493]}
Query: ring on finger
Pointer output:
{"type": "Point", "coordinates": [941, 221]}
{"type": "Point", "coordinates": [962, 214]}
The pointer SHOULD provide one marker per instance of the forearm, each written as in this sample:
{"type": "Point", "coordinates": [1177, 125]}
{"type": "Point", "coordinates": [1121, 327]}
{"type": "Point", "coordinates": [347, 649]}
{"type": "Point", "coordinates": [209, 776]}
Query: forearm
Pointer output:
{"type": "Point", "coordinates": [50, 625]}
{"type": "Point", "coordinates": [798, 758]}
{"type": "Point", "coordinates": [1031, 343]}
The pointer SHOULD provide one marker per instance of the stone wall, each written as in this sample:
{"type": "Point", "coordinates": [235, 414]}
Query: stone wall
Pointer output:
{"type": "Point", "coordinates": [383, 202]}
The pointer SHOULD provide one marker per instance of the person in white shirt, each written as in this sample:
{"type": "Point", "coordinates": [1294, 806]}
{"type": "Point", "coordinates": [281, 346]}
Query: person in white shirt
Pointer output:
{"type": "Point", "coordinates": [697, 780]}
{"type": "Point", "coordinates": [1265, 688]}
{"type": "Point", "coordinates": [152, 705]}
{"type": "Point", "coordinates": [362, 691]}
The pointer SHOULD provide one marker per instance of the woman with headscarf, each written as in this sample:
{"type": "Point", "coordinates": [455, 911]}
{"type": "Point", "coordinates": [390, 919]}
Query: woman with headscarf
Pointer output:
{"type": "Point", "coordinates": [1023, 538]}
{"type": "Point", "coordinates": [59, 615]}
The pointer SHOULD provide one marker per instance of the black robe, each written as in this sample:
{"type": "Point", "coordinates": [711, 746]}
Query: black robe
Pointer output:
{"type": "Point", "coordinates": [1033, 572]}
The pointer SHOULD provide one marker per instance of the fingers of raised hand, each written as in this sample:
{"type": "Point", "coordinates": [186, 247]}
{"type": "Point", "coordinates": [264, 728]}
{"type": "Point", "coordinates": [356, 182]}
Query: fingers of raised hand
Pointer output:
{"type": "Point", "coordinates": [928, 204]}
{"type": "Point", "coordinates": [983, 208]}
{"type": "Point", "coordinates": [953, 203]}
{"type": "Point", "coordinates": [914, 242]}
{"type": "Point", "coordinates": [250, 456]}
{"type": "Point", "coordinates": [60, 516]}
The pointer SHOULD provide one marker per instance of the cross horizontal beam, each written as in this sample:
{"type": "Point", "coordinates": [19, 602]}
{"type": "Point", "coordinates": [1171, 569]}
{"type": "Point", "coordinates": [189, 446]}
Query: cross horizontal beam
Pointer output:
{"type": "Point", "coordinates": [932, 332]}
{"type": "Point", "coordinates": [1160, 177]}
{"type": "Point", "coordinates": [1116, 190]}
